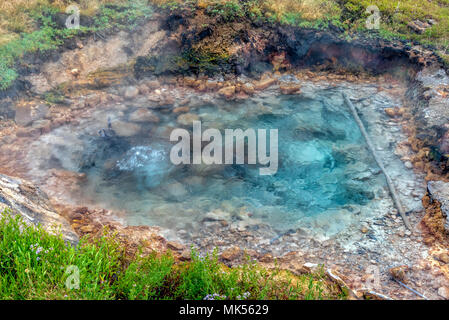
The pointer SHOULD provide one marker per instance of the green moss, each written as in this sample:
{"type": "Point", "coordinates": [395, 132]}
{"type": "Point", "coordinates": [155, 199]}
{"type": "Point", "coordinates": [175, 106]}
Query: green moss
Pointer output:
{"type": "Point", "coordinates": [203, 61]}
{"type": "Point", "coordinates": [189, 61]}
{"type": "Point", "coordinates": [54, 97]}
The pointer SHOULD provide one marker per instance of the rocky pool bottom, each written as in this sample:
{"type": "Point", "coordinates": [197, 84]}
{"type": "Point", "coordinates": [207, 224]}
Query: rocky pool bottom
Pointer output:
{"type": "Point", "coordinates": [326, 183]}
{"type": "Point", "coordinates": [328, 202]}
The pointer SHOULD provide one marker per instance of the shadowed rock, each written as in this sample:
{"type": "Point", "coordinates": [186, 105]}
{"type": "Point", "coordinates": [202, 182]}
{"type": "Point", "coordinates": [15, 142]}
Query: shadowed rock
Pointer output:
{"type": "Point", "coordinates": [33, 205]}
{"type": "Point", "coordinates": [439, 191]}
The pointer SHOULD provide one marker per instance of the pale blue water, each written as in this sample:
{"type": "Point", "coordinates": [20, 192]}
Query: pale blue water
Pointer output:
{"type": "Point", "coordinates": [323, 165]}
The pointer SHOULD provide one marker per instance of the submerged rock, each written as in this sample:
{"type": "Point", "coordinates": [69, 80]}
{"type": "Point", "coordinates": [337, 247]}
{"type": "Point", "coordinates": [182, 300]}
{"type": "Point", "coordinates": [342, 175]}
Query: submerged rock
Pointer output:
{"type": "Point", "coordinates": [33, 205]}
{"type": "Point", "coordinates": [176, 190]}
{"type": "Point", "coordinates": [187, 119]}
{"type": "Point", "coordinates": [181, 109]}
{"type": "Point", "coordinates": [176, 246]}
{"type": "Point", "coordinates": [131, 92]}
{"type": "Point", "coordinates": [125, 129]}
{"type": "Point", "coordinates": [217, 215]}
{"type": "Point", "coordinates": [143, 115]}
{"type": "Point", "coordinates": [290, 88]}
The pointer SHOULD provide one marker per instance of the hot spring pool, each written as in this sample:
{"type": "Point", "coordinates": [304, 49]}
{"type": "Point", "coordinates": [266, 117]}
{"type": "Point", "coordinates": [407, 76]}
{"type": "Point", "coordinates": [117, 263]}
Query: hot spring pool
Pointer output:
{"type": "Point", "coordinates": [326, 177]}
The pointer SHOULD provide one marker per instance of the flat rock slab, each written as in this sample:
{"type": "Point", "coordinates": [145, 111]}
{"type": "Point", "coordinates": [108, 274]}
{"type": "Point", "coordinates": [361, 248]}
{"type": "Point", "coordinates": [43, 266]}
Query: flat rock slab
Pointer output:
{"type": "Point", "coordinates": [33, 205]}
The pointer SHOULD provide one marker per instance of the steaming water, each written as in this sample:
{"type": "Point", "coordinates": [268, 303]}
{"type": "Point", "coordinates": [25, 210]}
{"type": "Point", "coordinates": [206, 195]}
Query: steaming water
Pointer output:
{"type": "Point", "coordinates": [325, 170]}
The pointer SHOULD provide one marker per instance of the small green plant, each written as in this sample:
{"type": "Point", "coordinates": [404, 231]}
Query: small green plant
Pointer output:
{"type": "Point", "coordinates": [145, 278]}
{"type": "Point", "coordinates": [229, 11]}
{"type": "Point", "coordinates": [33, 264]}
{"type": "Point", "coordinates": [54, 97]}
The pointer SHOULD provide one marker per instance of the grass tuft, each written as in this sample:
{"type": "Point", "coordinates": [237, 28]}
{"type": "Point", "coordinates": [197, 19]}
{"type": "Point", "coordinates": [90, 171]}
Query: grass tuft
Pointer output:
{"type": "Point", "coordinates": [37, 265]}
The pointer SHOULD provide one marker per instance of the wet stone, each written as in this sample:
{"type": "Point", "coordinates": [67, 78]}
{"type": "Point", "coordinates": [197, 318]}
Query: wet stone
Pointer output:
{"type": "Point", "coordinates": [143, 115]}
{"type": "Point", "coordinates": [131, 92]}
{"type": "Point", "coordinates": [125, 129]}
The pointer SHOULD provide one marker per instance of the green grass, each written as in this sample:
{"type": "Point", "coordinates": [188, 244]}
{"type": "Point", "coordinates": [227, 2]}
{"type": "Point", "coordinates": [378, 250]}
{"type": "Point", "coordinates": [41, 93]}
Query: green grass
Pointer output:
{"type": "Point", "coordinates": [50, 35]}
{"type": "Point", "coordinates": [395, 15]}
{"type": "Point", "coordinates": [33, 264]}
{"type": "Point", "coordinates": [36, 265]}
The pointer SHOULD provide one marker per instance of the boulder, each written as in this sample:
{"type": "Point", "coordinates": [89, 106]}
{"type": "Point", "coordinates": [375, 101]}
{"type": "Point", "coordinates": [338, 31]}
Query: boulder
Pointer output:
{"type": "Point", "coordinates": [231, 254]}
{"type": "Point", "coordinates": [248, 88]}
{"type": "Point", "coordinates": [264, 84]}
{"type": "Point", "coordinates": [227, 92]}
{"type": "Point", "coordinates": [166, 100]}
{"type": "Point", "coordinates": [184, 102]}
{"type": "Point", "coordinates": [27, 200]}
{"type": "Point", "coordinates": [290, 88]}
{"type": "Point", "coordinates": [211, 84]}
{"type": "Point", "coordinates": [443, 257]}
{"type": "Point", "coordinates": [418, 26]}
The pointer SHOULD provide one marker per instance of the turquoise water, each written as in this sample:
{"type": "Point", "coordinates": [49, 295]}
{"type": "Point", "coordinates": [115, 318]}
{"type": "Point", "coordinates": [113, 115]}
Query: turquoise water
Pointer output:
{"type": "Point", "coordinates": [324, 166]}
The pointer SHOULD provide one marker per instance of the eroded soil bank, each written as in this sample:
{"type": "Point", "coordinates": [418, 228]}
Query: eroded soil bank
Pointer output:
{"type": "Point", "coordinates": [139, 79]}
